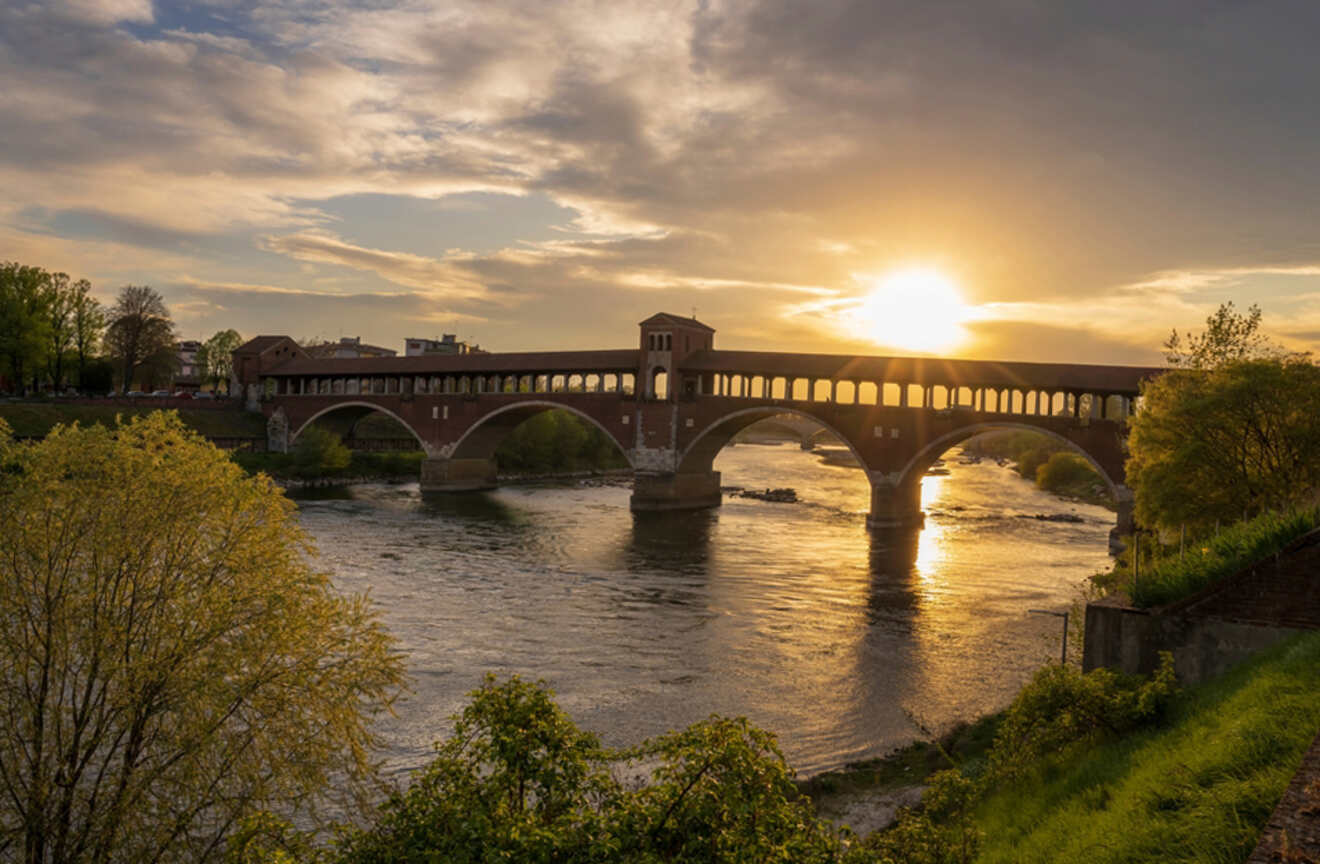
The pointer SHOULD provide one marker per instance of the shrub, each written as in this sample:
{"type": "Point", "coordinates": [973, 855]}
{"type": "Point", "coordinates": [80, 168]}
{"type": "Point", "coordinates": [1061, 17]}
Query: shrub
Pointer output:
{"type": "Point", "coordinates": [518, 781]}
{"type": "Point", "coordinates": [319, 452]}
{"type": "Point", "coordinates": [1062, 706]}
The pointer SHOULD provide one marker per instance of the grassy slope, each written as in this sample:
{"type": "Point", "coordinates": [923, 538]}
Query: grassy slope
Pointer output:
{"type": "Point", "coordinates": [1173, 577]}
{"type": "Point", "coordinates": [1197, 789]}
{"type": "Point", "coordinates": [35, 419]}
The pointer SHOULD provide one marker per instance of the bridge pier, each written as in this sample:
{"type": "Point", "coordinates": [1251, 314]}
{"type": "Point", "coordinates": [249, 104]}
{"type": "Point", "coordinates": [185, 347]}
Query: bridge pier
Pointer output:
{"type": "Point", "coordinates": [458, 475]}
{"type": "Point", "coordinates": [675, 491]}
{"type": "Point", "coordinates": [894, 505]}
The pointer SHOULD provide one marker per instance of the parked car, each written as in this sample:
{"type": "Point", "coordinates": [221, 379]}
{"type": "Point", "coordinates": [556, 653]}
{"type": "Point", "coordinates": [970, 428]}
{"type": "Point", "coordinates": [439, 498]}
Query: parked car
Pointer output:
{"type": "Point", "coordinates": [182, 394]}
{"type": "Point", "coordinates": [135, 394]}
{"type": "Point", "coordinates": [203, 394]}
{"type": "Point", "coordinates": [160, 394]}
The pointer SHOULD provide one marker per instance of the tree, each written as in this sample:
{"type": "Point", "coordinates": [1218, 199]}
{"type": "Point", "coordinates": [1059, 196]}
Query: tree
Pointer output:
{"type": "Point", "coordinates": [59, 332]}
{"type": "Point", "coordinates": [171, 664]}
{"type": "Point", "coordinates": [518, 781]}
{"type": "Point", "coordinates": [24, 323]}
{"type": "Point", "coordinates": [1229, 337]}
{"type": "Point", "coordinates": [140, 330]}
{"type": "Point", "coordinates": [216, 358]}
{"type": "Point", "coordinates": [1226, 443]}
{"type": "Point", "coordinates": [88, 324]}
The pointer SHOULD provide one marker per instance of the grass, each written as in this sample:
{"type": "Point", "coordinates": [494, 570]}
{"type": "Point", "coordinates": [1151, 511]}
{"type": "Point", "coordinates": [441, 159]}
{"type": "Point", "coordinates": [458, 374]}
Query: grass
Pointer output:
{"type": "Point", "coordinates": [35, 419]}
{"type": "Point", "coordinates": [1198, 788]}
{"type": "Point", "coordinates": [1172, 577]}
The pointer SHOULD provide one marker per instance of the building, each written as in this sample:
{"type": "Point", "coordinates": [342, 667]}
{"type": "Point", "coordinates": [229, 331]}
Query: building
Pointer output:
{"type": "Point", "coordinates": [348, 346]}
{"type": "Point", "coordinates": [189, 376]}
{"type": "Point", "coordinates": [446, 344]}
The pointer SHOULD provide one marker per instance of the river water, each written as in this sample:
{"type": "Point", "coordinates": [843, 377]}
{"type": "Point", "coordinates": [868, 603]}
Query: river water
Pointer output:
{"type": "Point", "coordinates": [789, 614]}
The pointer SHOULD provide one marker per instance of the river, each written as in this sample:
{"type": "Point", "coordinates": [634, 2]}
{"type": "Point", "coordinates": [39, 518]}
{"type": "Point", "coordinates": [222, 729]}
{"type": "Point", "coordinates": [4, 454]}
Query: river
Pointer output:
{"type": "Point", "coordinates": [789, 614]}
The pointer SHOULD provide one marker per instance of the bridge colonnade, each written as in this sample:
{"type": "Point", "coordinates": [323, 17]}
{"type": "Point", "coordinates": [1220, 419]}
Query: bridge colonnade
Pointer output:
{"type": "Point", "coordinates": [674, 402]}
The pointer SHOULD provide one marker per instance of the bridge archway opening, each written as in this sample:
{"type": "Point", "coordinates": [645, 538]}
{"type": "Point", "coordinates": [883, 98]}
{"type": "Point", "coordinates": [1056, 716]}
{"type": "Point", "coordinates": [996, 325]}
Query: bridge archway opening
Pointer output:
{"type": "Point", "coordinates": [700, 454]}
{"type": "Point", "coordinates": [483, 440]}
{"type": "Point", "coordinates": [926, 458]}
{"type": "Point", "coordinates": [365, 425]}
{"type": "Point", "coordinates": [659, 383]}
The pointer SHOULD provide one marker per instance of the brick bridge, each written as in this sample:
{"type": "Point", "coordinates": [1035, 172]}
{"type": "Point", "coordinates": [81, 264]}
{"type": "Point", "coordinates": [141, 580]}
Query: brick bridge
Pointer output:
{"type": "Point", "coordinates": [674, 401]}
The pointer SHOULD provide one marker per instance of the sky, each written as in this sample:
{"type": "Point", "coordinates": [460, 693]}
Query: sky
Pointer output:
{"type": "Point", "coordinates": [541, 175]}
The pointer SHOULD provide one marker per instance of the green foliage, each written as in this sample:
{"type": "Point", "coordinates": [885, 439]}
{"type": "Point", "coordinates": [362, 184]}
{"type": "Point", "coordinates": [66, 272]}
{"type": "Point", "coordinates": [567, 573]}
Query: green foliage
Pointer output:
{"type": "Point", "coordinates": [941, 831]}
{"type": "Point", "coordinates": [26, 296]}
{"type": "Point", "coordinates": [1048, 462]}
{"type": "Point", "coordinates": [1198, 787]}
{"type": "Point", "coordinates": [1229, 337]}
{"type": "Point", "coordinates": [319, 452]}
{"type": "Point", "coordinates": [1068, 474]}
{"type": "Point", "coordinates": [171, 664]}
{"type": "Point", "coordinates": [1209, 557]}
{"type": "Point", "coordinates": [1226, 444]}
{"type": "Point", "coordinates": [216, 358]}
{"type": "Point", "coordinates": [518, 781]}
{"type": "Point", "coordinates": [1062, 706]}
{"type": "Point", "coordinates": [557, 441]}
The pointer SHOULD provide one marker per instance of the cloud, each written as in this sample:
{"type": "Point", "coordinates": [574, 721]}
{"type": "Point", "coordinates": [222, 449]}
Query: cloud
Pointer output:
{"type": "Point", "coordinates": [1069, 161]}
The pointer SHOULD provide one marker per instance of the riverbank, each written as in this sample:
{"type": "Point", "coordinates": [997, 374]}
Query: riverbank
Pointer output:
{"type": "Point", "coordinates": [866, 796]}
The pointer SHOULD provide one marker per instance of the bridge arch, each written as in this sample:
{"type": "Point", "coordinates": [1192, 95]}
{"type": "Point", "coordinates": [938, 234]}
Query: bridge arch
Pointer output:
{"type": "Point", "coordinates": [355, 411]}
{"type": "Point", "coordinates": [484, 437]}
{"type": "Point", "coordinates": [924, 458]}
{"type": "Point", "coordinates": [700, 454]}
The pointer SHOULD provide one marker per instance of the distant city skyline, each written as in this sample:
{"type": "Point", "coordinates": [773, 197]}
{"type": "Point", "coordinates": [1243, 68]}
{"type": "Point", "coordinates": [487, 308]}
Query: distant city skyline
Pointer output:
{"type": "Point", "coordinates": [1045, 180]}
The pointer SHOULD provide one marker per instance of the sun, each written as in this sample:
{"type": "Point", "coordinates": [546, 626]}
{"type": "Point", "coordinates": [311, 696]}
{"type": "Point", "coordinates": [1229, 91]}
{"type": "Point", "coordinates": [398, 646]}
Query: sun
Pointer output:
{"type": "Point", "coordinates": [914, 309]}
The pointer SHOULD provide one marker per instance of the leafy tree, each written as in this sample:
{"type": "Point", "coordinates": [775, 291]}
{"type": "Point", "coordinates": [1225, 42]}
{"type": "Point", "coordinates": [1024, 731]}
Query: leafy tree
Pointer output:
{"type": "Point", "coordinates": [518, 781]}
{"type": "Point", "coordinates": [216, 358]}
{"type": "Point", "coordinates": [1226, 443]}
{"type": "Point", "coordinates": [140, 331]}
{"type": "Point", "coordinates": [25, 297]}
{"type": "Point", "coordinates": [1229, 337]}
{"type": "Point", "coordinates": [60, 326]}
{"type": "Point", "coordinates": [171, 664]}
{"type": "Point", "coordinates": [88, 325]}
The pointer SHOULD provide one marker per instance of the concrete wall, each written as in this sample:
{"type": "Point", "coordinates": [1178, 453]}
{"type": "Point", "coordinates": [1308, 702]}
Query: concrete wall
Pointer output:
{"type": "Point", "coordinates": [1130, 640]}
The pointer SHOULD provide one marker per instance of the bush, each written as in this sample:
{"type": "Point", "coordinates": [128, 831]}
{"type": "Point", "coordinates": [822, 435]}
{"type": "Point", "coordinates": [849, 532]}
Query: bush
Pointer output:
{"type": "Point", "coordinates": [1062, 706]}
{"type": "Point", "coordinates": [518, 781]}
{"type": "Point", "coordinates": [1067, 474]}
{"type": "Point", "coordinates": [319, 452]}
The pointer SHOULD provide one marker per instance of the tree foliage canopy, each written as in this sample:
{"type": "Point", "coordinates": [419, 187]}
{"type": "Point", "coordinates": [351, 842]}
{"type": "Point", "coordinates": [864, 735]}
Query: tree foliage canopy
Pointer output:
{"type": "Point", "coordinates": [1226, 443]}
{"type": "Point", "coordinates": [171, 662]}
{"type": "Point", "coordinates": [25, 301]}
{"type": "Point", "coordinates": [140, 332]}
{"type": "Point", "coordinates": [518, 781]}
{"type": "Point", "coordinates": [216, 357]}
{"type": "Point", "coordinates": [1229, 337]}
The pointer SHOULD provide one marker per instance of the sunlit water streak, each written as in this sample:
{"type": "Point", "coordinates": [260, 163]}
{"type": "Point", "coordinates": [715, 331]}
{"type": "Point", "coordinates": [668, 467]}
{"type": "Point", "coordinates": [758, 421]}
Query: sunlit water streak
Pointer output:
{"type": "Point", "coordinates": [789, 614]}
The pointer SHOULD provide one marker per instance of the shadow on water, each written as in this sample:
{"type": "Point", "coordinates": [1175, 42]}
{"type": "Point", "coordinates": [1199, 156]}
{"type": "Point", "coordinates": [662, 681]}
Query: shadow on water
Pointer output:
{"type": "Point", "coordinates": [677, 541]}
{"type": "Point", "coordinates": [477, 507]}
{"type": "Point", "coordinates": [893, 567]}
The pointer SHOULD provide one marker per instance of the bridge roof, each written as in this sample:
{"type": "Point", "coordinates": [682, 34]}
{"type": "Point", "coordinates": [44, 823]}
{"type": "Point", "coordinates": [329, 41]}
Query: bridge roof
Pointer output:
{"type": "Point", "coordinates": [926, 370]}
{"type": "Point", "coordinates": [676, 321]}
{"type": "Point", "coordinates": [621, 360]}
